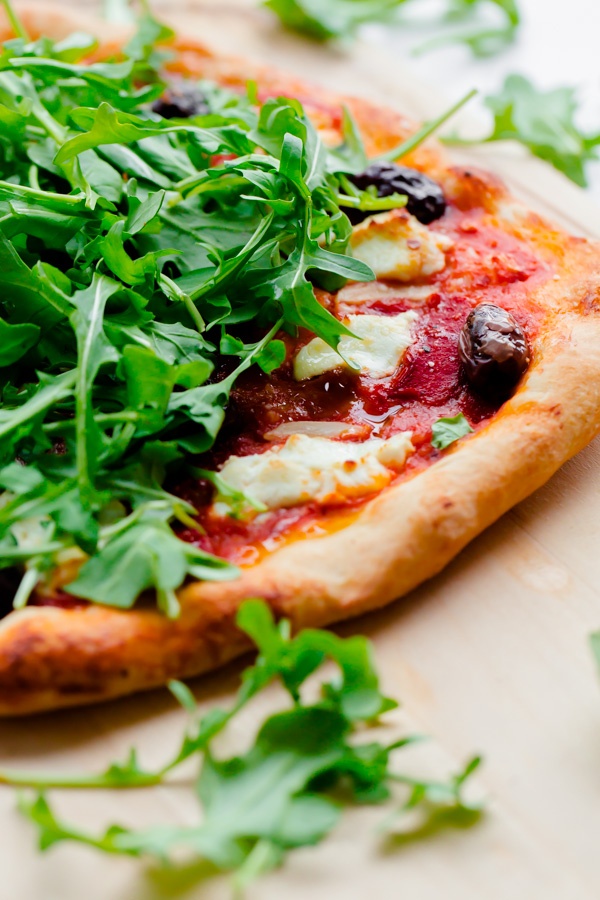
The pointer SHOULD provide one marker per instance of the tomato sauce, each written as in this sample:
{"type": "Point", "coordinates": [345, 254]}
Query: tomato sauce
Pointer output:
{"type": "Point", "coordinates": [485, 264]}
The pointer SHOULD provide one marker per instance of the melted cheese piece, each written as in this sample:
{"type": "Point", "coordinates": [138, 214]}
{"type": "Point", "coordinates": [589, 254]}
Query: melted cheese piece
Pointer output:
{"type": "Point", "coordinates": [377, 350]}
{"type": "Point", "coordinates": [396, 245]}
{"type": "Point", "coordinates": [306, 469]}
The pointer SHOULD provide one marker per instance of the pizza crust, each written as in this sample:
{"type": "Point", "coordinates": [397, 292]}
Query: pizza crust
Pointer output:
{"type": "Point", "coordinates": [52, 657]}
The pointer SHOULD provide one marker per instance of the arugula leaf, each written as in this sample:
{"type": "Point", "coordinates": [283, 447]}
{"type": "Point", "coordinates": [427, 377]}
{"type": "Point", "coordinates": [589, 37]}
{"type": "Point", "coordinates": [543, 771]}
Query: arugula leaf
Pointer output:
{"type": "Point", "coordinates": [236, 501]}
{"type": "Point", "coordinates": [544, 121]}
{"type": "Point", "coordinates": [23, 416]}
{"type": "Point", "coordinates": [325, 19]}
{"type": "Point", "coordinates": [279, 794]}
{"type": "Point", "coordinates": [483, 37]}
{"type": "Point", "coordinates": [145, 554]}
{"type": "Point", "coordinates": [16, 340]}
{"type": "Point", "coordinates": [143, 212]}
{"type": "Point", "coordinates": [94, 350]}
{"type": "Point", "coordinates": [447, 431]}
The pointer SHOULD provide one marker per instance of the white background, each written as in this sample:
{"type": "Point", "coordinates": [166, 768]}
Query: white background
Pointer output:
{"type": "Point", "coordinates": [558, 44]}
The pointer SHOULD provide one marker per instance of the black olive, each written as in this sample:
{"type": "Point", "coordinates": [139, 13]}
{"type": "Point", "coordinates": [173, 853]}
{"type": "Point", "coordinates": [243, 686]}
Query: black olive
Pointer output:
{"type": "Point", "coordinates": [181, 100]}
{"type": "Point", "coordinates": [426, 199]}
{"type": "Point", "coordinates": [493, 350]}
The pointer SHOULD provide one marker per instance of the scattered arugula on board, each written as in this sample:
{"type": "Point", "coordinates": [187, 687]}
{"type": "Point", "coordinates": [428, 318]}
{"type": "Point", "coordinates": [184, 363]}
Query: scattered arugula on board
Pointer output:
{"type": "Point", "coordinates": [331, 19]}
{"type": "Point", "coordinates": [448, 430]}
{"type": "Point", "coordinates": [289, 788]}
{"type": "Point", "coordinates": [327, 19]}
{"type": "Point", "coordinates": [131, 250]}
{"type": "Point", "coordinates": [544, 121]}
{"type": "Point", "coordinates": [483, 38]}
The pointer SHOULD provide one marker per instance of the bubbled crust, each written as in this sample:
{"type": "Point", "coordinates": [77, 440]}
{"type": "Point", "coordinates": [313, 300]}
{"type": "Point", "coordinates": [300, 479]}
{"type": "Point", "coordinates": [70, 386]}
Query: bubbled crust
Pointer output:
{"type": "Point", "coordinates": [56, 657]}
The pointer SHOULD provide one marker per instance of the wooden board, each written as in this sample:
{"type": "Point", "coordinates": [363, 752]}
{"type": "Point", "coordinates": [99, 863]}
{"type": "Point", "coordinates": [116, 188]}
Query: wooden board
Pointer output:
{"type": "Point", "coordinates": [490, 656]}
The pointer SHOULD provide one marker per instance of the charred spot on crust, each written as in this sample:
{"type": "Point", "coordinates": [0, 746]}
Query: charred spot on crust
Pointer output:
{"type": "Point", "coordinates": [493, 350]}
{"type": "Point", "coordinates": [425, 197]}
{"type": "Point", "coordinates": [181, 100]}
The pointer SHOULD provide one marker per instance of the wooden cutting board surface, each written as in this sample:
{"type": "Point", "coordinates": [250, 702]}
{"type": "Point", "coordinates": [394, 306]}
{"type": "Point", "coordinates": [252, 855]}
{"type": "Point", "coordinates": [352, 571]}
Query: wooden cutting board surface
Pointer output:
{"type": "Point", "coordinates": [490, 656]}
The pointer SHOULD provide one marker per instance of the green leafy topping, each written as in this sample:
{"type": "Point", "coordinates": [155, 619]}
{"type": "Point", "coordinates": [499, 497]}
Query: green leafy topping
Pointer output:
{"type": "Point", "coordinates": [447, 431]}
{"type": "Point", "coordinates": [140, 256]}
{"type": "Point", "coordinates": [285, 790]}
{"type": "Point", "coordinates": [544, 121]}
{"type": "Point", "coordinates": [125, 251]}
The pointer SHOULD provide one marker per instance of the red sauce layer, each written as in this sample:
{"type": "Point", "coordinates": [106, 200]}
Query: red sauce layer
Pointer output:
{"type": "Point", "coordinates": [485, 263]}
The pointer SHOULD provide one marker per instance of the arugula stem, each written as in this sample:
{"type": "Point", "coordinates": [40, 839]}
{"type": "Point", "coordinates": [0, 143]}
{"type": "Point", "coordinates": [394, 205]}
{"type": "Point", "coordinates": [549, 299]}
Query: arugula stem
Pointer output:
{"type": "Point", "coordinates": [8, 190]}
{"type": "Point", "coordinates": [247, 362]}
{"type": "Point", "coordinates": [100, 419]}
{"type": "Point", "coordinates": [28, 583]}
{"type": "Point", "coordinates": [423, 133]}
{"type": "Point", "coordinates": [231, 267]}
{"type": "Point", "coordinates": [15, 22]}
{"type": "Point", "coordinates": [33, 178]}
{"type": "Point", "coordinates": [43, 781]}
{"type": "Point", "coordinates": [194, 312]}
{"type": "Point", "coordinates": [49, 123]}
{"type": "Point", "coordinates": [18, 553]}
{"type": "Point", "coordinates": [194, 185]}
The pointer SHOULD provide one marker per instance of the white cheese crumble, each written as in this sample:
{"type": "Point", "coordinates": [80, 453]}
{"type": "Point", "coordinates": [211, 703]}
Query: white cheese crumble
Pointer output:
{"type": "Point", "coordinates": [377, 350]}
{"type": "Point", "coordinates": [396, 245]}
{"type": "Point", "coordinates": [306, 469]}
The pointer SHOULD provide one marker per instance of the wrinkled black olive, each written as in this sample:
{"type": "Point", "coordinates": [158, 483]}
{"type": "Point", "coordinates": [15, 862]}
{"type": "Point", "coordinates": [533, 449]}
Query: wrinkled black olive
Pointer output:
{"type": "Point", "coordinates": [493, 350]}
{"type": "Point", "coordinates": [181, 100]}
{"type": "Point", "coordinates": [426, 199]}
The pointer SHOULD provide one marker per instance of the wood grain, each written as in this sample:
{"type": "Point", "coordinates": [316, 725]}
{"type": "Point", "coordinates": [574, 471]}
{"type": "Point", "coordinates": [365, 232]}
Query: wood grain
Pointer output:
{"type": "Point", "coordinates": [491, 656]}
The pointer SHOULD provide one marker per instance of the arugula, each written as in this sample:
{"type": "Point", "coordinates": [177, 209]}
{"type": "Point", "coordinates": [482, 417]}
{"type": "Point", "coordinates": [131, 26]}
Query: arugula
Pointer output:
{"type": "Point", "coordinates": [426, 130]}
{"type": "Point", "coordinates": [138, 256]}
{"type": "Point", "coordinates": [471, 22]}
{"type": "Point", "coordinates": [324, 20]}
{"type": "Point", "coordinates": [447, 431]}
{"type": "Point", "coordinates": [285, 791]}
{"type": "Point", "coordinates": [103, 346]}
{"type": "Point", "coordinates": [544, 121]}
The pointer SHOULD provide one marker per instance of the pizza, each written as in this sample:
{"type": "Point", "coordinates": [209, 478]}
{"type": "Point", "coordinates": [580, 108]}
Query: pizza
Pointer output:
{"type": "Point", "coordinates": [389, 352]}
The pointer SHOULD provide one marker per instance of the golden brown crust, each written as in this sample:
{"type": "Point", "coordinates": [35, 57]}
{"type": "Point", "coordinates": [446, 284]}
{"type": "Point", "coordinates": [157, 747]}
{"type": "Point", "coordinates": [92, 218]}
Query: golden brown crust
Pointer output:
{"type": "Point", "coordinates": [55, 657]}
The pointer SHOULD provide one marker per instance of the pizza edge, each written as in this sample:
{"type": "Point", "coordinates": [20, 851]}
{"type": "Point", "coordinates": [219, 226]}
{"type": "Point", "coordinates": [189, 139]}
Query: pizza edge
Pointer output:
{"type": "Point", "coordinates": [52, 658]}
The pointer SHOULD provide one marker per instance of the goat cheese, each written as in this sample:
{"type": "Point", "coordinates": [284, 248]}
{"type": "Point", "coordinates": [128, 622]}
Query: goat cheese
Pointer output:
{"type": "Point", "coordinates": [377, 350]}
{"type": "Point", "coordinates": [306, 469]}
{"type": "Point", "coordinates": [396, 245]}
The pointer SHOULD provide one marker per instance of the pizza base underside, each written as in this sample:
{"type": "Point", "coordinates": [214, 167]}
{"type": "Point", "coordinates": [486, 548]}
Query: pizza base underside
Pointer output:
{"type": "Point", "coordinates": [52, 657]}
